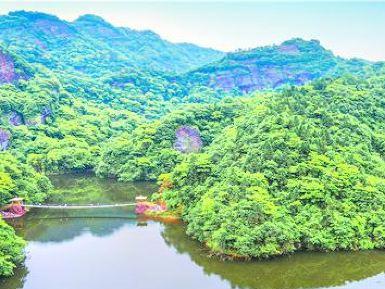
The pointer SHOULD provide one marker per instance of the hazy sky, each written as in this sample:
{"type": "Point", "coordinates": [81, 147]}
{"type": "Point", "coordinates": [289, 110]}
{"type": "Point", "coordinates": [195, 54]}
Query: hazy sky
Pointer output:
{"type": "Point", "coordinates": [350, 29]}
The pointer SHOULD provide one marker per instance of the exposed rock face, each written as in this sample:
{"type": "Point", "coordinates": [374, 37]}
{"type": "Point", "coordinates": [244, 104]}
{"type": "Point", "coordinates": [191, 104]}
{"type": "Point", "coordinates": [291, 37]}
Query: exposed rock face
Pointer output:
{"type": "Point", "coordinates": [7, 69]}
{"type": "Point", "coordinates": [257, 78]}
{"type": "Point", "coordinates": [5, 137]}
{"type": "Point", "coordinates": [294, 62]}
{"type": "Point", "coordinates": [31, 122]}
{"type": "Point", "coordinates": [289, 49]}
{"type": "Point", "coordinates": [10, 68]}
{"type": "Point", "coordinates": [44, 114]}
{"type": "Point", "coordinates": [188, 140]}
{"type": "Point", "coordinates": [16, 119]}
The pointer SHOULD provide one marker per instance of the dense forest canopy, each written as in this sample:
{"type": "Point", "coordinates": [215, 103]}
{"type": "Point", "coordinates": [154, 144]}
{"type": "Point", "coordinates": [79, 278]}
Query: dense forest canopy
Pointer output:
{"type": "Point", "coordinates": [294, 62]}
{"type": "Point", "coordinates": [91, 45]}
{"type": "Point", "coordinates": [291, 137]}
{"type": "Point", "coordinates": [304, 169]}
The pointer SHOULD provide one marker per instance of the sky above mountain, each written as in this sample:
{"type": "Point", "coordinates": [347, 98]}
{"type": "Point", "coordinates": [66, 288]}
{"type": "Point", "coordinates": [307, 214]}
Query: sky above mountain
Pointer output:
{"type": "Point", "coordinates": [350, 29]}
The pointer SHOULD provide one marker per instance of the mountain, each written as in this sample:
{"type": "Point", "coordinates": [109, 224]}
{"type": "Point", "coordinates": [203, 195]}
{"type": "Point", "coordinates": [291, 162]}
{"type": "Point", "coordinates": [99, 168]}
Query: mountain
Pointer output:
{"type": "Point", "coordinates": [302, 169]}
{"type": "Point", "coordinates": [93, 46]}
{"type": "Point", "coordinates": [294, 62]}
{"type": "Point", "coordinates": [146, 47]}
{"type": "Point", "coordinates": [119, 56]}
{"type": "Point", "coordinates": [298, 168]}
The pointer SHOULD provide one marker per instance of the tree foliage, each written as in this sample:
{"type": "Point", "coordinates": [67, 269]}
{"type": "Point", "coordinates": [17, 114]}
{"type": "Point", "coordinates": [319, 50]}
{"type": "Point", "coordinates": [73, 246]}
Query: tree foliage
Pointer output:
{"type": "Point", "coordinates": [303, 170]}
{"type": "Point", "coordinates": [272, 172]}
{"type": "Point", "coordinates": [11, 249]}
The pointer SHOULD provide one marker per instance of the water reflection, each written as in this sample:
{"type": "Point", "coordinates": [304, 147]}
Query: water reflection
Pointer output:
{"type": "Point", "coordinates": [150, 255]}
{"type": "Point", "coordinates": [131, 257]}
{"type": "Point", "coordinates": [55, 225]}
{"type": "Point", "coordinates": [64, 229]}
{"type": "Point", "coordinates": [88, 189]}
{"type": "Point", "coordinates": [17, 280]}
{"type": "Point", "coordinates": [302, 270]}
{"type": "Point", "coordinates": [110, 248]}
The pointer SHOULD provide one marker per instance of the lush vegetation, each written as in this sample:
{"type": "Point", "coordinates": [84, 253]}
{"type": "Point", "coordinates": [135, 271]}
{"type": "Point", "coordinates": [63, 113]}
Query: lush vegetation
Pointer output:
{"type": "Point", "coordinates": [294, 62]}
{"type": "Point", "coordinates": [93, 46]}
{"type": "Point", "coordinates": [149, 150]}
{"type": "Point", "coordinates": [11, 248]}
{"type": "Point", "coordinates": [282, 170]}
{"type": "Point", "coordinates": [303, 170]}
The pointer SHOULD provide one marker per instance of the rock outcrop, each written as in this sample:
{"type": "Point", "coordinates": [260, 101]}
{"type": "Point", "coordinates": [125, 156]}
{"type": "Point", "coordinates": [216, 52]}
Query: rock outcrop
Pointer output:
{"type": "Point", "coordinates": [45, 114]}
{"type": "Point", "coordinates": [10, 69]}
{"type": "Point", "coordinates": [16, 119]}
{"type": "Point", "coordinates": [294, 62]}
{"type": "Point", "coordinates": [7, 69]}
{"type": "Point", "coordinates": [5, 138]}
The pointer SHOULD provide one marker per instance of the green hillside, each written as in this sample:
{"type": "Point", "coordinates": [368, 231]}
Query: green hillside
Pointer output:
{"type": "Point", "coordinates": [302, 170]}
{"type": "Point", "coordinates": [294, 62]}
{"type": "Point", "coordinates": [92, 46]}
{"type": "Point", "coordinates": [288, 142]}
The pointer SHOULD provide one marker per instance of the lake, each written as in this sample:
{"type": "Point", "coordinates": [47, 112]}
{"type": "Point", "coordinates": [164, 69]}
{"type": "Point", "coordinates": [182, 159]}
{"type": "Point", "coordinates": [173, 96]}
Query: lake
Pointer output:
{"type": "Point", "coordinates": [112, 248]}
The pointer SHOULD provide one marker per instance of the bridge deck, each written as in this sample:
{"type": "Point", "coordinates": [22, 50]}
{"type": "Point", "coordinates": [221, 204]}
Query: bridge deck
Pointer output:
{"type": "Point", "coordinates": [90, 206]}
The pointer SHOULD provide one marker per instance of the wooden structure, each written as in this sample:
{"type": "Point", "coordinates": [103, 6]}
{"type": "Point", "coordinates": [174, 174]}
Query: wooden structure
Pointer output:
{"type": "Point", "coordinates": [14, 210]}
{"type": "Point", "coordinates": [16, 201]}
{"type": "Point", "coordinates": [140, 198]}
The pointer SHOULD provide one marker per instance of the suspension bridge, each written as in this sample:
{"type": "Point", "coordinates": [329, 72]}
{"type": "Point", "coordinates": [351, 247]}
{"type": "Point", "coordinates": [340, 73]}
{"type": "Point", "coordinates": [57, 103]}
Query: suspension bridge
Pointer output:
{"type": "Point", "coordinates": [17, 208]}
{"type": "Point", "coordinates": [89, 206]}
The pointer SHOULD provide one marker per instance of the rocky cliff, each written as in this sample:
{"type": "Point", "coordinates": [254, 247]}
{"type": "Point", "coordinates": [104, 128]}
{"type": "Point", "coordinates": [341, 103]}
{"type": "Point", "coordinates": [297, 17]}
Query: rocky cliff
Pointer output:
{"type": "Point", "coordinates": [294, 62]}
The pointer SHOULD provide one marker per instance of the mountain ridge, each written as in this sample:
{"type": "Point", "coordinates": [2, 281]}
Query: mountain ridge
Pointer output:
{"type": "Point", "coordinates": [47, 39]}
{"type": "Point", "coordinates": [293, 62]}
{"type": "Point", "coordinates": [91, 46]}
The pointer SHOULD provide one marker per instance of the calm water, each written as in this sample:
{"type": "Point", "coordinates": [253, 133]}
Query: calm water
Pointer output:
{"type": "Point", "coordinates": [112, 249]}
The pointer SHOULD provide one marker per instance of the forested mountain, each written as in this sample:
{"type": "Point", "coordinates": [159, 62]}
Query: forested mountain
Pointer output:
{"type": "Point", "coordinates": [302, 170]}
{"type": "Point", "coordinates": [294, 62]}
{"type": "Point", "coordinates": [280, 167]}
{"type": "Point", "coordinates": [91, 45]}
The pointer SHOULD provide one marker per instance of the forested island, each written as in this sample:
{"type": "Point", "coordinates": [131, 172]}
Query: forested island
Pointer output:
{"type": "Point", "coordinates": [289, 139]}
